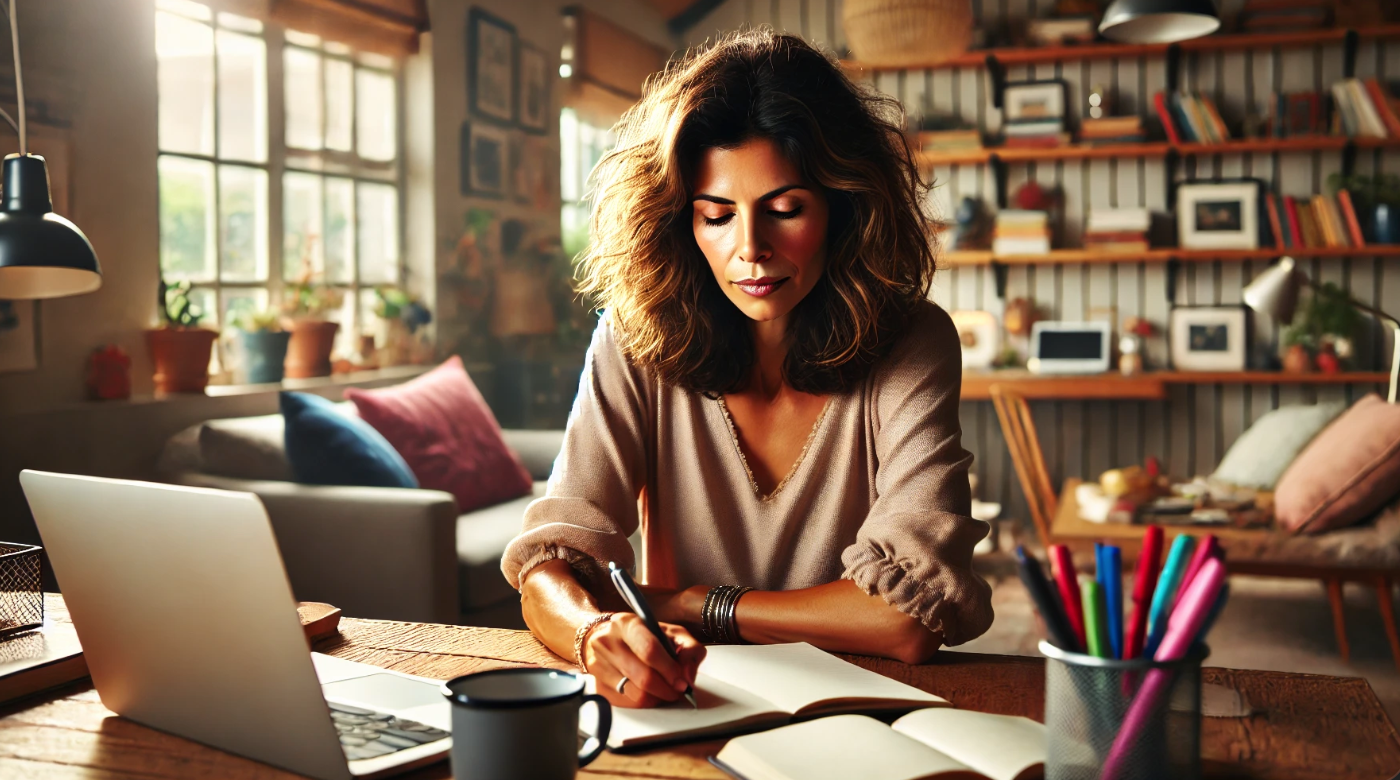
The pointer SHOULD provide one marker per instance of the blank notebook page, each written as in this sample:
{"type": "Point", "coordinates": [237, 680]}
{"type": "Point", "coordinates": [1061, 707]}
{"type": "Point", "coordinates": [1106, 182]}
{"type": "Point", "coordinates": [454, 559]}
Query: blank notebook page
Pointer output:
{"type": "Point", "coordinates": [842, 747]}
{"type": "Point", "coordinates": [796, 676]}
{"type": "Point", "coordinates": [999, 746]}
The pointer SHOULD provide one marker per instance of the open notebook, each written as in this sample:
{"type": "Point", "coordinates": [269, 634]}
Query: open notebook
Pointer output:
{"type": "Point", "coordinates": [749, 687]}
{"type": "Point", "coordinates": [931, 744]}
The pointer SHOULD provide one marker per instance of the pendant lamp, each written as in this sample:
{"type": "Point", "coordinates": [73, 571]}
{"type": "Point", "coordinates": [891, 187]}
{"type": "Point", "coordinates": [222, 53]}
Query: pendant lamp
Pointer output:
{"type": "Point", "coordinates": [42, 255]}
{"type": "Point", "coordinates": [1159, 21]}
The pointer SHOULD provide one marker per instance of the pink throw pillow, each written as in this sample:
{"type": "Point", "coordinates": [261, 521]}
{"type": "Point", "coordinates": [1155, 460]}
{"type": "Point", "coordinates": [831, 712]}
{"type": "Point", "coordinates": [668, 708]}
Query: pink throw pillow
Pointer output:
{"type": "Point", "coordinates": [447, 434]}
{"type": "Point", "coordinates": [1347, 472]}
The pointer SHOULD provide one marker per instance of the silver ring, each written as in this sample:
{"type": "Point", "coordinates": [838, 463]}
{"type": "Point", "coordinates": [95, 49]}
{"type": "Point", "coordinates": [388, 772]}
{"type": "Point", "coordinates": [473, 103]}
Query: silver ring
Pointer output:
{"type": "Point", "coordinates": [621, 684]}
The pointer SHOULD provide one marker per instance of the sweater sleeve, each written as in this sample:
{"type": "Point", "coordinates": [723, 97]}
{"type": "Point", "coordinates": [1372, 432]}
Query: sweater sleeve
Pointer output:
{"type": "Point", "coordinates": [590, 506]}
{"type": "Point", "coordinates": [915, 547]}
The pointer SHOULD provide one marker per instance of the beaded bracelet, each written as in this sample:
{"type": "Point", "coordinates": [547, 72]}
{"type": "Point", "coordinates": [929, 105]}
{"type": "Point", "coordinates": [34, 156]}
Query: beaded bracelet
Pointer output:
{"type": "Point", "coordinates": [581, 636]}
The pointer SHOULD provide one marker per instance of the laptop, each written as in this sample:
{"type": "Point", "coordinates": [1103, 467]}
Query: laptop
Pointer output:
{"type": "Point", "coordinates": [189, 626]}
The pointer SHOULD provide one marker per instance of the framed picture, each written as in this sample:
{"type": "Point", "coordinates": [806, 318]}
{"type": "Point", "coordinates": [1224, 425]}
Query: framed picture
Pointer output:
{"type": "Point", "coordinates": [485, 155]}
{"type": "Point", "coordinates": [534, 89]}
{"type": "Point", "coordinates": [490, 67]}
{"type": "Point", "coordinates": [980, 334]}
{"type": "Point", "coordinates": [1034, 101]}
{"type": "Point", "coordinates": [1209, 338]}
{"type": "Point", "coordinates": [1217, 215]}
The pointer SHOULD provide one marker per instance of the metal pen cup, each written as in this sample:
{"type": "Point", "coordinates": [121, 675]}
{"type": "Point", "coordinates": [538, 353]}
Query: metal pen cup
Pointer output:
{"type": "Point", "coordinates": [1107, 719]}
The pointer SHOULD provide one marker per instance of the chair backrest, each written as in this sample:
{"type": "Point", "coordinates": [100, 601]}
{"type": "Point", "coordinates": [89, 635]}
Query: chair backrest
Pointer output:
{"type": "Point", "coordinates": [1018, 427]}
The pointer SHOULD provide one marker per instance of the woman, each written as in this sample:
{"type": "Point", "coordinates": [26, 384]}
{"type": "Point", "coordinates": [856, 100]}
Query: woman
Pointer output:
{"type": "Point", "coordinates": [769, 393]}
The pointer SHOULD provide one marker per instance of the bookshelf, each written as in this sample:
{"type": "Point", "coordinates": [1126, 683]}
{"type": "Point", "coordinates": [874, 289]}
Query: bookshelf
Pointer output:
{"type": "Point", "coordinates": [1149, 386]}
{"type": "Point", "coordinates": [1326, 143]}
{"type": "Point", "coordinates": [965, 258]}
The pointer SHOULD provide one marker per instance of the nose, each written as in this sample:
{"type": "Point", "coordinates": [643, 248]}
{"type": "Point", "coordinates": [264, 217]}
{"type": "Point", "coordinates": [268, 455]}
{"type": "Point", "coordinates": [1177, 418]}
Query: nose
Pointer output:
{"type": "Point", "coordinates": [753, 245]}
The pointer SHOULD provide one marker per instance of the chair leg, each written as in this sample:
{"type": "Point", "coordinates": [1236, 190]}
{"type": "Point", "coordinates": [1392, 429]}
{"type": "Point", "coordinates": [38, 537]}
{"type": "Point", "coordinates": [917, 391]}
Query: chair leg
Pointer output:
{"type": "Point", "coordinates": [1339, 621]}
{"type": "Point", "coordinates": [1387, 608]}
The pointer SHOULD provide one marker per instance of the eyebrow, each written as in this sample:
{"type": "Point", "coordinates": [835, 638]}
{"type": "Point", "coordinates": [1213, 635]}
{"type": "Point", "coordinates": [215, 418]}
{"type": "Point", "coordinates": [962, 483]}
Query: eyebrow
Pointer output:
{"type": "Point", "coordinates": [766, 196]}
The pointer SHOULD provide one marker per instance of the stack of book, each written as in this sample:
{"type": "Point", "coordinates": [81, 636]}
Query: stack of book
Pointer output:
{"type": "Point", "coordinates": [933, 141]}
{"type": "Point", "coordinates": [1284, 15]}
{"type": "Point", "coordinates": [1117, 230]}
{"type": "Point", "coordinates": [1297, 114]}
{"type": "Point", "coordinates": [1188, 118]}
{"type": "Point", "coordinates": [1021, 233]}
{"type": "Point", "coordinates": [1366, 109]}
{"type": "Point", "coordinates": [1314, 223]}
{"type": "Point", "coordinates": [1037, 133]}
{"type": "Point", "coordinates": [1112, 130]}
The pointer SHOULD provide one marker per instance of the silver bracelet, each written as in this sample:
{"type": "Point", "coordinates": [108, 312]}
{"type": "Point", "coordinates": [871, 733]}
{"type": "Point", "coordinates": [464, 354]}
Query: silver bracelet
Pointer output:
{"type": "Point", "coordinates": [718, 624]}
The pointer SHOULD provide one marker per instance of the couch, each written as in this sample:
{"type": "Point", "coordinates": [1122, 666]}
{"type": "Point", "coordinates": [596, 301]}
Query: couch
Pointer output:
{"type": "Point", "coordinates": [387, 553]}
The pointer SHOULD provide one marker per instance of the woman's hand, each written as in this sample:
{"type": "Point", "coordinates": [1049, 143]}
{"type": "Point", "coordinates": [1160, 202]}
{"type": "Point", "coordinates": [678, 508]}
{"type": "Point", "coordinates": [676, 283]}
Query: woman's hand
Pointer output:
{"type": "Point", "coordinates": [622, 646]}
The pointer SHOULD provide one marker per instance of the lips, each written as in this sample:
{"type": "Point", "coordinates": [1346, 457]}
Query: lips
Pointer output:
{"type": "Point", "coordinates": [760, 287]}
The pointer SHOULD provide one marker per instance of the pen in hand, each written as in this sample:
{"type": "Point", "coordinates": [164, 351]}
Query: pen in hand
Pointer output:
{"type": "Point", "coordinates": [633, 596]}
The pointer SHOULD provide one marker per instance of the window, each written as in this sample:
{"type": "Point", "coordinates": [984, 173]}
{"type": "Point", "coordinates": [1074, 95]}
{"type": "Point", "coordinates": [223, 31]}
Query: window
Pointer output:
{"type": "Point", "coordinates": [581, 146]}
{"type": "Point", "coordinates": [279, 162]}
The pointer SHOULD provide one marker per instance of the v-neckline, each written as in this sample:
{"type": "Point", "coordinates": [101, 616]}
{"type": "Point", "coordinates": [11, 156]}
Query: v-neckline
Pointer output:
{"type": "Point", "coordinates": [796, 465]}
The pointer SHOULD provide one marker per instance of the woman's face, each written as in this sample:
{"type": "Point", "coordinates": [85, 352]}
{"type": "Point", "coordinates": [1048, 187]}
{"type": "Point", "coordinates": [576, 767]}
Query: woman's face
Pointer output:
{"type": "Point", "coordinates": [761, 227]}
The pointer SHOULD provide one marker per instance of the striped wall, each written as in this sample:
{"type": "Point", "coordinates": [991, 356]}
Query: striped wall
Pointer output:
{"type": "Point", "coordinates": [1191, 429]}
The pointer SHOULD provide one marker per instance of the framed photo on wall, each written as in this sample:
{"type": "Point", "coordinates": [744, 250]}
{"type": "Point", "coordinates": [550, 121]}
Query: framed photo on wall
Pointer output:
{"type": "Point", "coordinates": [1209, 338]}
{"type": "Point", "coordinates": [1217, 215]}
{"type": "Point", "coordinates": [485, 157]}
{"type": "Point", "coordinates": [534, 108]}
{"type": "Point", "coordinates": [491, 77]}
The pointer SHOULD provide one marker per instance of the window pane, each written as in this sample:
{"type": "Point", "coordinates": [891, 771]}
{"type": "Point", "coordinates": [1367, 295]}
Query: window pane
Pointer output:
{"type": "Point", "coordinates": [242, 97]}
{"type": "Point", "coordinates": [303, 98]}
{"type": "Point", "coordinates": [240, 23]}
{"type": "Point", "coordinates": [336, 47]}
{"type": "Point", "coordinates": [569, 189]}
{"type": "Point", "coordinates": [340, 230]}
{"type": "Point", "coordinates": [302, 251]}
{"type": "Point", "coordinates": [185, 8]}
{"type": "Point", "coordinates": [185, 62]}
{"type": "Point", "coordinates": [381, 61]}
{"type": "Point", "coordinates": [186, 219]}
{"type": "Point", "coordinates": [379, 234]}
{"type": "Point", "coordinates": [347, 338]}
{"type": "Point", "coordinates": [340, 89]}
{"type": "Point", "coordinates": [243, 221]}
{"type": "Point", "coordinates": [303, 39]}
{"type": "Point", "coordinates": [375, 114]}
{"type": "Point", "coordinates": [240, 302]}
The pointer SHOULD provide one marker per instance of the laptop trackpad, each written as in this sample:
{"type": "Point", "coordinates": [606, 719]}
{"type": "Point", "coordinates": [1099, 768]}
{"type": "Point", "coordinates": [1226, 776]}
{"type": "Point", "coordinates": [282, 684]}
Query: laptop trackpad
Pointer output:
{"type": "Point", "coordinates": [388, 692]}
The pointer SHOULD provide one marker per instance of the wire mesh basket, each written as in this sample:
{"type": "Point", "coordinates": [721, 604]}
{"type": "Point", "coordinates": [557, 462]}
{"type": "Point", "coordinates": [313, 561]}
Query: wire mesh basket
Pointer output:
{"type": "Point", "coordinates": [21, 588]}
{"type": "Point", "coordinates": [1122, 720]}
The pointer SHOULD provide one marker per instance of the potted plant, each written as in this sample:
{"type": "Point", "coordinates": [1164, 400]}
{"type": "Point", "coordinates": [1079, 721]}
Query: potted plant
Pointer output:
{"type": "Point", "coordinates": [1324, 328]}
{"type": "Point", "coordinates": [263, 342]}
{"type": "Point", "coordinates": [180, 349]}
{"type": "Point", "coordinates": [306, 307]}
{"type": "Point", "coordinates": [404, 316]}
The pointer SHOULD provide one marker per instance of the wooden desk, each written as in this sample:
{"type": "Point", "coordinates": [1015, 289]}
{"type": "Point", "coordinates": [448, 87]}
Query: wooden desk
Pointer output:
{"type": "Point", "coordinates": [1306, 726]}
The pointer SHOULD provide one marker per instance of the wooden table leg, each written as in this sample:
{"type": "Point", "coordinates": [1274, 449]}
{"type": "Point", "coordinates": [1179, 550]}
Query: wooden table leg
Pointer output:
{"type": "Point", "coordinates": [1339, 621]}
{"type": "Point", "coordinates": [1387, 608]}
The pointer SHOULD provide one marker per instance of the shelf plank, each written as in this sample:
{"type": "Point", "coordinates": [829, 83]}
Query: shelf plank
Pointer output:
{"type": "Point", "coordinates": [1151, 386]}
{"type": "Point", "coordinates": [963, 258]}
{"type": "Point", "coordinates": [1324, 143]}
{"type": "Point", "coordinates": [1098, 51]}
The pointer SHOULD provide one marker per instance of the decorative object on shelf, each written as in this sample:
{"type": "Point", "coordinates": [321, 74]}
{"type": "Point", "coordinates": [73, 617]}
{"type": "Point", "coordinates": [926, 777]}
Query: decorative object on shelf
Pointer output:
{"type": "Point", "coordinates": [1100, 104]}
{"type": "Point", "coordinates": [21, 588]}
{"type": "Point", "coordinates": [1297, 360]}
{"type": "Point", "coordinates": [262, 346]}
{"type": "Point", "coordinates": [1374, 201]}
{"type": "Point", "coordinates": [1158, 21]}
{"type": "Point", "coordinates": [893, 33]}
{"type": "Point", "coordinates": [1208, 338]}
{"type": "Point", "coordinates": [1019, 316]}
{"type": "Point", "coordinates": [491, 85]}
{"type": "Point", "coordinates": [1326, 320]}
{"type": "Point", "coordinates": [1217, 215]}
{"type": "Point", "coordinates": [108, 375]}
{"type": "Point", "coordinates": [1033, 114]}
{"type": "Point", "coordinates": [484, 152]}
{"type": "Point", "coordinates": [42, 255]}
{"type": "Point", "coordinates": [534, 108]}
{"type": "Point", "coordinates": [180, 349]}
{"type": "Point", "coordinates": [1275, 292]}
{"type": "Point", "coordinates": [978, 333]}
{"type": "Point", "coordinates": [1070, 347]}
{"type": "Point", "coordinates": [1060, 31]}
{"type": "Point", "coordinates": [1131, 347]}
{"type": "Point", "coordinates": [972, 225]}
{"type": "Point", "coordinates": [307, 307]}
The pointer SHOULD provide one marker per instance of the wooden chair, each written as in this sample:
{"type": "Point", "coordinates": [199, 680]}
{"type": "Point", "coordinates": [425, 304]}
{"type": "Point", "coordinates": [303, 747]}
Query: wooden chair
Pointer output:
{"type": "Point", "coordinates": [1018, 427]}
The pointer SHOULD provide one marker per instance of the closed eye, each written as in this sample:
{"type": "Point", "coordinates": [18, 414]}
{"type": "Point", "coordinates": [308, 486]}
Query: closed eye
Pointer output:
{"type": "Point", "coordinates": [786, 214]}
{"type": "Point", "coordinates": [719, 220]}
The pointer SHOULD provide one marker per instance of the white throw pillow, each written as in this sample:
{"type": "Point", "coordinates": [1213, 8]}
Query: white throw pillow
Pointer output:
{"type": "Point", "coordinates": [1261, 454]}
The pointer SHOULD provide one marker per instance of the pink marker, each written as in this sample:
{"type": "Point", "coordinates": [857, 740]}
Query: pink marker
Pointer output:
{"type": "Point", "coordinates": [1208, 548]}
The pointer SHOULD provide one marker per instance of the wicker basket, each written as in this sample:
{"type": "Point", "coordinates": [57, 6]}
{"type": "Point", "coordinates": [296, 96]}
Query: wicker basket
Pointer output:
{"type": "Point", "coordinates": [907, 32]}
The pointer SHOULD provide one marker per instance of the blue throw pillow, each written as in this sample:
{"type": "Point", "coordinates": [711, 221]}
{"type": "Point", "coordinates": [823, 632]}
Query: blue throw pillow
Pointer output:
{"type": "Point", "coordinates": [326, 447]}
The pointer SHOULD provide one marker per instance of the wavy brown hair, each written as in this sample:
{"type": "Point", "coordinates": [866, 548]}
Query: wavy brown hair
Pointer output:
{"type": "Point", "coordinates": [644, 266]}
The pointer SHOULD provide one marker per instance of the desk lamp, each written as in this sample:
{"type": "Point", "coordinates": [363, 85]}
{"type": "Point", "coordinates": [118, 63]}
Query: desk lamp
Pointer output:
{"type": "Point", "coordinates": [42, 255]}
{"type": "Point", "coordinates": [1158, 21]}
{"type": "Point", "coordinates": [1275, 292]}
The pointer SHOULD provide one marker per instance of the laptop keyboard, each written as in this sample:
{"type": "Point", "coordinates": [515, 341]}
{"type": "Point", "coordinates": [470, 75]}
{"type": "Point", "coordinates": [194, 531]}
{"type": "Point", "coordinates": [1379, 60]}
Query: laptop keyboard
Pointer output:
{"type": "Point", "coordinates": [369, 734]}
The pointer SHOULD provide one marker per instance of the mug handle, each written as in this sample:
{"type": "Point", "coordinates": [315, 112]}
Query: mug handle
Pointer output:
{"type": "Point", "coordinates": [593, 747]}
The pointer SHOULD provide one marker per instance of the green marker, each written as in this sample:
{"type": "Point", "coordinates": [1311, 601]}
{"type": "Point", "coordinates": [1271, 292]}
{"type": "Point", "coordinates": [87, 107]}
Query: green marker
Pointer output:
{"type": "Point", "coordinates": [1095, 617]}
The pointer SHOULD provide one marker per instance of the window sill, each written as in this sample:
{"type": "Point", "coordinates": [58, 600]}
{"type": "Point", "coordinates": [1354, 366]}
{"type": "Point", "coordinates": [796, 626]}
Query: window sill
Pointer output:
{"type": "Point", "coordinates": [352, 379]}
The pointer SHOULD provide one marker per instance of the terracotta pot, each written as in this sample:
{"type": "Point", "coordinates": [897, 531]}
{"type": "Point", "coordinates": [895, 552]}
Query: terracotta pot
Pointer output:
{"type": "Point", "coordinates": [1297, 360]}
{"type": "Point", "coordinates": [181, 358]}
{"type": "Point", "coordinates": [309, 350]}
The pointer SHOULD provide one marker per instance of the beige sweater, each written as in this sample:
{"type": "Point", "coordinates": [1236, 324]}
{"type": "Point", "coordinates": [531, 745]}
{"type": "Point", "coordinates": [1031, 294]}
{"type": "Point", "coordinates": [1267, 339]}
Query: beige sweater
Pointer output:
{"type": "Point", "coordinates": [879, 495]}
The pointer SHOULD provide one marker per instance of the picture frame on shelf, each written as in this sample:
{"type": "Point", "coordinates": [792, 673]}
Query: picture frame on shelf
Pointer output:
{"type": "Point", "coordinates": [485, 159]}
{"type": "Point", "coordinates": [979, 333]}
{"type": "Point", "coordinates": [1217, 215]}
{"type": "Point", "coordinates": [1209, 338]}
{"type": "Point", "coordinates": [1035, 101]}
{"type": "Point", "coordinates": [534, 101]}
{"type": "Point", "coordinates": [491, 71]}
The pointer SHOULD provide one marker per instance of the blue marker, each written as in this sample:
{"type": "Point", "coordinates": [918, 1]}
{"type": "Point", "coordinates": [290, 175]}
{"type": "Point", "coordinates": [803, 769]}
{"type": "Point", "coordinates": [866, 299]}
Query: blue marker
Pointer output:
{"type": "Point", "coordinates": [1110, 574]}
{"type": "Point", "coordinates": [1165, 596]}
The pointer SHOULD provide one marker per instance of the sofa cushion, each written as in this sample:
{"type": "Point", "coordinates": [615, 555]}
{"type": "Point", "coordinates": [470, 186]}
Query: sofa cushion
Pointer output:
{"type": "Point", "coordinates": [482, 536]}
{"type": "Point", "coordinates": [245, 448]}
{"type": "Point", "coordinates": [1261, 454]}
{"type": "Point", "coordinates": [326, 447]}
{"type": "Point", "coordinates": [445, 431]}
{"type": "Point", "coordinates": [1349, 471]}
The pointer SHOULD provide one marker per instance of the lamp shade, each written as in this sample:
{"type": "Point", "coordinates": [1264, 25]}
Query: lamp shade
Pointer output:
{"type": "Point", "coordinates": [1159, 21]}
{"type": "Point", "coordinates": [42, 255]}
{"type": "Point", "coordinates": [1275, 292]}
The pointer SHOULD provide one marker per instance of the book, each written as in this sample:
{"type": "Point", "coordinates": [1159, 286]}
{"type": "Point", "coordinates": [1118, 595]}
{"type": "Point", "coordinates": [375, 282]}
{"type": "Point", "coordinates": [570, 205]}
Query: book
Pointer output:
{"type": "Point", "coordinates": [748, 687]}
{"type": "Point", "coordinates": [1281, 216]}
{"type": "Point", "coordinates": [1349, 215]}
{"type": "Point", "coordinates": [1295, 231]}
{"type": "Point", "coordinates": [1217, 125]}
{"type": "Point", "coordinates": [1369, 124]}
{"type": "Point", "coordinates": [1307, 225]}
{"type": "Point", "coordinates": [1159, 101]}
{"type": "Point", "coordinates": [1333, 217]}
{"type": "Point", "coordinates": [1275, 227]}
{"type": "Point", "coordinates": [39, 660]}
{"type": "Point", "coordinates": [1384, 106]}
{"type": "Point", "coordinates": [1341, 98]}
{"type": "Point", "coordinates": [923, 745]}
